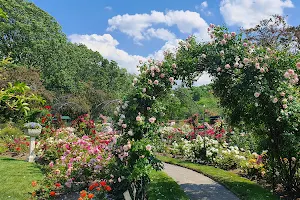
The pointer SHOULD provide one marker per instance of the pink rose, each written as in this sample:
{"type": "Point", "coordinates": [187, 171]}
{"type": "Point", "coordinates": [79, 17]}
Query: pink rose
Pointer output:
{"type": "Point", "coordinates": [138, 118]}
{"type": "Point", "coordinates": [298, 65]}
{"type": "Point", "coordinates": [227, 66]}
{"type": "Point", "coordinates": [174, 65]}
{"type": "Point", "coordinates": [156, 82]}
{"type": "Point", "coordinates": [282, 94]}
{"type": "Point", "coordinates": [219, 69]}
{"type": "Point", "coordinates": [150, 81]}
{"type": "Point", "coordinates": [162, 76]}
{"type": "Point", "coordinates": [275, 100]}
{"type": "Point", "coordinates": [124, 125]}
{"type": "Point", "coordinates": [233, 34]}
{"type": "Point", "coordinates": [152, 120]}
{"type": "Point", "coordinates": [144, 90]}
{"type": "Point", "coordinates": [284, 106]}
{"type": "Point", "coordinates": [256, 94]}
{"type": "Point", "coordinates": [171, 79]}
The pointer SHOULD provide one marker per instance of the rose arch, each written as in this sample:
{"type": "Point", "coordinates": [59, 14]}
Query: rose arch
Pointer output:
{"type": "Point", "coordinates": [258, 87]}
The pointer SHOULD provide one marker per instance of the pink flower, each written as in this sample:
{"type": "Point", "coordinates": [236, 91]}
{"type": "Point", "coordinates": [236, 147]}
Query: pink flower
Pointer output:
{"type": "Point", "coordinates": [275, 100]}
{"type": "Point", "coordinates": [119, 179]}
{"type": "Point", "coordinates": [245, 44]}
{"type": "Point", "coordinates": [150, 81]}
{"type": "Point", "coordinates": [149, 60]}
{"type": "Point", "coordinates": [212, 26]}
{"type": "Point", "coordinates": [286, 75]}
{"type": "Point", "coordinates": [291, 97]}
{"type": "Point", "coordinates": [208, 29]}
{"type": "Point", "coordinates": [148, 108]}
{"type": "Point", "coordinates": [256, 94]}
{"type": "Point", "coordinates": [135, 80]}
{"type": "Point", "coordinates": [225, 36]}
{"type": "Point", "coordinates": [223, 42]}
{"type": "Point", "coordinates": [162, 75]}
{"type": "Point", "coordinates": [51, 164]}
{"type": "Point", "coordinates": [138, 118]}
{"type": "Point", "coordinates": [227, 66]}
{"type": "Point", "coordinates": [290, 71]}
{"type": "Point", "coordinates": [236, 64]}
{"type": "Point", "coordinates": [298, 65]}
{"type": "Point", "coordinates": [246, 60]}
{"type": "Point", "coordinates": [124, 125]}
{"type": "Point", "coordinates": [160, 63]}
{"type": "Point", "coordinates": [144, 90]}
{"type": "Point", "coordinates": [284, 106]}
{"type": "Point", "coordinates": [156, 82]}
{"type": "Point", "coordinates": [222, 53]}
{"type": "Point", "coordinates": [233, 34]}
{"type": "Point", "coordinates": [282, 94]}
{"type": "Point", "coordinates": [262, 70]}
{"type": "Point", "coordinates": [148, 147]}
{"type": "Point", "coordinates": [171, 79]}
{"type": "Point", "coordinates": [152, 120]}
{"type": "Point", "coordinates": [219, 69]}
{"type": "Point", "coordinates": [140, 61]}
{"type": "Point", "coordinates": [257, 66]}
{"type": "Point", "coordinates": [174, 65]}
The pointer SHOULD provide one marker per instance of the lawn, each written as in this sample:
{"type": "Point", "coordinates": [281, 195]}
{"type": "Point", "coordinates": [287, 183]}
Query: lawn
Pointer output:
{"type": "Point", "coordinates": [163, 187]}
{"type": "Point", "coordinates": [241, 187]}
{"type": "Point", "coordinates": [16, 177]}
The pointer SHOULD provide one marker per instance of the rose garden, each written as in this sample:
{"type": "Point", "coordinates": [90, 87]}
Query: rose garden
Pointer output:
{"type": "Point", "coordinates": [119, 151]}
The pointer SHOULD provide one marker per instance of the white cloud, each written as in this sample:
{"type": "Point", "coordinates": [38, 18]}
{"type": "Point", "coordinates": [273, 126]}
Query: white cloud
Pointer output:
{"type": "Point", "coordinates": [137, 25]}
{"type": "Point", "coordinates": [107, 46]}
{"type": "Point", "coordinates": [160, 33]}
{"type": "Point", "coordinates": [248, 13]}
{"type": "Point", "coordinates": [109, 8]}
{"type": "Point", "coordinates": [204, 4]}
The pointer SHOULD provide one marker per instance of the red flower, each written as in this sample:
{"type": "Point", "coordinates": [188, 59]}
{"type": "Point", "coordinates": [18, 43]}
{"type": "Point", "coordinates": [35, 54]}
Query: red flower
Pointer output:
{"type": "Point", "coordinates": [107, 188]}
{"type": "Point", "coordinates": [18, 148]}
{"type": "Point", "coordinates": [90, 196]}
{"type": "Point", "coordinates": [34, 183]}
{"type": "Point", "coordinates": [83, 193]}
{"type": "Point", "coordinates": [102, 183]}
{"type": "Point", "coordinates": [48, 107]}
{"type": "Point", "coordinates": [52, 193]}
{"type": "Point", "coordinates": [57, 185]}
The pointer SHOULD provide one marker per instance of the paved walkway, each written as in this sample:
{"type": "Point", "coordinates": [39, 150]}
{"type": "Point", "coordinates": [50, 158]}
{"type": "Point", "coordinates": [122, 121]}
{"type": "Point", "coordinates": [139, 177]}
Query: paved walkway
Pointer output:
{"type": "Point", "coordinates": [198, 186]}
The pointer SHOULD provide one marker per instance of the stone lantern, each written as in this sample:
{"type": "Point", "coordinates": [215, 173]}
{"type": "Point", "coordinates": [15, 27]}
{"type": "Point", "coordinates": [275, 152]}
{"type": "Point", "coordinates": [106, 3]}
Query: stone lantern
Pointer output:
{"type": "Point", "coordinates": [33, 130]}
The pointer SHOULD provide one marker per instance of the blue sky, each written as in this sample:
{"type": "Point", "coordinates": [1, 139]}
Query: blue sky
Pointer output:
{"type": "Point", "coordinates": [131, 30]}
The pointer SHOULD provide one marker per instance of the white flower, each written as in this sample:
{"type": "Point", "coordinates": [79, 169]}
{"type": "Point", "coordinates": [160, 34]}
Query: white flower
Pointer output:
{"type": "Point", "coordinates": [256, 94]}
{"type": "Point", "coordinates": [130, 133]}
{"type": "Point", "coordinates": [148, 147]}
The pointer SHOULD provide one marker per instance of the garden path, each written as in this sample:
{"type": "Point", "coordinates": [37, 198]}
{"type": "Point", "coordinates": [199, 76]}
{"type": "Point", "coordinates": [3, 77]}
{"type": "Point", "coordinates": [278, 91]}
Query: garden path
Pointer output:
{"type": "Point", "coordinates": [198, 186]}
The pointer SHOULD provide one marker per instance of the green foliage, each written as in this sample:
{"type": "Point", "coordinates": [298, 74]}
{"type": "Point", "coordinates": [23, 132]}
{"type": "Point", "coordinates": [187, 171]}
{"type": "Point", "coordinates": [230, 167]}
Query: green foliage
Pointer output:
{"type": "Point", "coordinates": [16, 100]}
{"type": "Point", "coordinates": [32, 38]}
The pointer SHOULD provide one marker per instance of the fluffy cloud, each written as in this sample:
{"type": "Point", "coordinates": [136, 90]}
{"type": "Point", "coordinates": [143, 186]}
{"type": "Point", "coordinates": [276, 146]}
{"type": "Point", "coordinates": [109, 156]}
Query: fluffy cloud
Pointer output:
{"type": "Point", "coordinates": [204, 4]}
{"type": "Point", "coordinates": [160, 33]}
{"type": "Point", "coordinates": [107, 46]}
{"type": "Point", "coordinates": [248, 13]}
{"type": "Point", "coordinates": [137, 26]}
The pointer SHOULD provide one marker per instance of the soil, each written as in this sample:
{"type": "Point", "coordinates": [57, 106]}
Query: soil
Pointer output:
{"type": "Point", "coordinates": [14, 155]}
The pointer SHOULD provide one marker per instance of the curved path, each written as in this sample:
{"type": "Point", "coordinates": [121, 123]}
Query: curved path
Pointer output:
{"type": "Point", "coordinates": [198, 186]}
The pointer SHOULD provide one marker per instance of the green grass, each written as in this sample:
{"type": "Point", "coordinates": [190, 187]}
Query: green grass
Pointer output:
{"type": "Point", "coordinates": [16, 177]}
{"type": "Point", "coordinates": [163, 187]}
{"type": "Point", "coordinates": [241, 187]}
